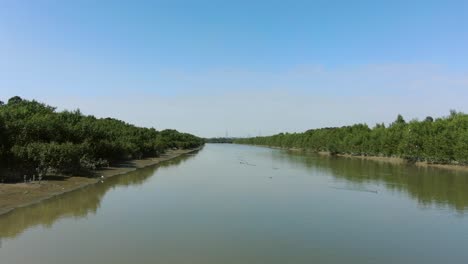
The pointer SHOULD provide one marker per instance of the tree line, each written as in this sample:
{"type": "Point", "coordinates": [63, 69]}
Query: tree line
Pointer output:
{"type": "Point", "coordinates": [36, 140]}
{"type": "Point", "coordinates": [219, 140]}
{"type": "Point", "coordinates": [443, 140]}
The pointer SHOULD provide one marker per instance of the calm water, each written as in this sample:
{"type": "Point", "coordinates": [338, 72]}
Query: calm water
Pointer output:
{"type": "Point", "coordinates": [242, 204]}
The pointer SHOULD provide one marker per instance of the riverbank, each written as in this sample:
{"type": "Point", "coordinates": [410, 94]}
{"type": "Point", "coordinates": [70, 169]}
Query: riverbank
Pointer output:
{"type": "Point", "coordinates": [394, 160]}
{"type": "Point", "coordinates": [17, 195]}
{"type": "Point", "coordinates": [397, 160]}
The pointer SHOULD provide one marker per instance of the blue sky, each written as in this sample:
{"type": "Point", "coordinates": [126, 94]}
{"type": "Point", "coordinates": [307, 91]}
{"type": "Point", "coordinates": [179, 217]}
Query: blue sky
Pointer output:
{"type": "Point", "coordinates": [248, 67]}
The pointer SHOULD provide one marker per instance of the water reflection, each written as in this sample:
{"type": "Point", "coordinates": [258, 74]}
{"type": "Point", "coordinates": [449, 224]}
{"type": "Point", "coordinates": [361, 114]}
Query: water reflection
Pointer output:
{"type": "Point", "coordinates": [429, 186]}
{"type": "Point", "coordinates": [76, 204]}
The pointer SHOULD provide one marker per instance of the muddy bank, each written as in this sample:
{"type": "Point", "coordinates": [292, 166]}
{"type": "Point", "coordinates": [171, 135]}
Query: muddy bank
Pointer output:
{"type": "Point", "coordinates": [23, 194]}
{"type": "Point", "coordinates": [394, 160]}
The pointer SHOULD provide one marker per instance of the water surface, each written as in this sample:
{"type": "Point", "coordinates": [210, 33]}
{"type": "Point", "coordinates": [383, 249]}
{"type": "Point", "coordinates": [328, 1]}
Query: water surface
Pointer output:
{"type": "Point", "coordinates": [243, 204]}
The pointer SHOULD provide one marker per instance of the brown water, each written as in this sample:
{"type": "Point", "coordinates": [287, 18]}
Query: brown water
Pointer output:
{"type": "Point", "coordinates": [243, 204]}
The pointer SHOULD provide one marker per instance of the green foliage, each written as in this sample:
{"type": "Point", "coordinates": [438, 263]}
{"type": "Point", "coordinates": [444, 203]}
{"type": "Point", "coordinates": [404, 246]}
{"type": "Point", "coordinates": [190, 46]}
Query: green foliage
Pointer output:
{"type": "Point", "coordinates": [35, 140]}
{"type": "Point", "coordinates": [219, 140]}
{"type": "Point", "coordinates": [15, 100]}
{"type": "Point", "coordinates": [443, 140]}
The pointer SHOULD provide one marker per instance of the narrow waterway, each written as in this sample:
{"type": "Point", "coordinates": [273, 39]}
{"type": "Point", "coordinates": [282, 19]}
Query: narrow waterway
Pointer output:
{"type": "Point", "coordinates": [243, 204]}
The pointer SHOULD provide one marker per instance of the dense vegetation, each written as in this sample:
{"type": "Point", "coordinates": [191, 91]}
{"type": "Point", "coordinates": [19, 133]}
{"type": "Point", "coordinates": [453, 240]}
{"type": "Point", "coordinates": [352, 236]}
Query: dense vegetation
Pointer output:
{"type": "Point", "coordinates": [35, 140]}
{"type": "Point", "coordinates": [219, 140]}
{"type": "Point", "coordinates": [443, 140]}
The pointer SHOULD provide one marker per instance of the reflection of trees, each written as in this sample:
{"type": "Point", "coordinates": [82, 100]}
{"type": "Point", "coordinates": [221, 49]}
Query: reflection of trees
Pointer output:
{"type": "Point", "coordinates": [429, 186]}
{"type": "Point", "coordinates": [78, 203]}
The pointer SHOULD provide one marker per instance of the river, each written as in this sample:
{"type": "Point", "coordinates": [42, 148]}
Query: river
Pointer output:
{"type": "Point", "coordinates": [244, 204]}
